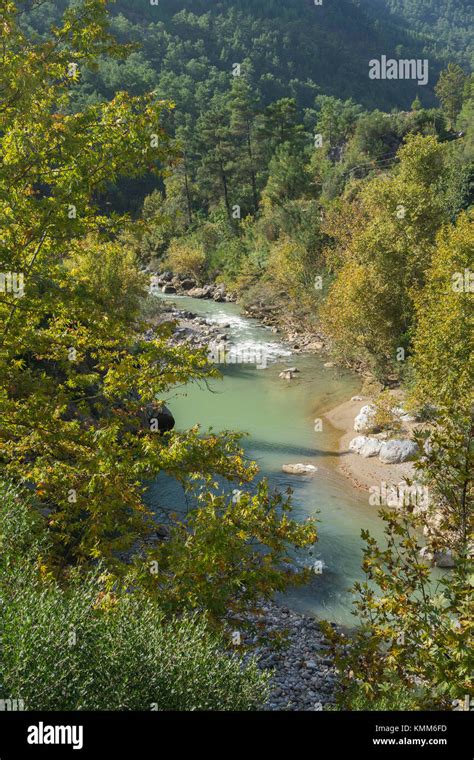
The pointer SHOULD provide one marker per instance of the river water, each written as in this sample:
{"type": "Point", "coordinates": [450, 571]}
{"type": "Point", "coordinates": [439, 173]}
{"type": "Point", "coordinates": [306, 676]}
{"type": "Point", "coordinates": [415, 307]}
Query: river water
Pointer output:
{"type": "Point", "coordinates": [279, 417]}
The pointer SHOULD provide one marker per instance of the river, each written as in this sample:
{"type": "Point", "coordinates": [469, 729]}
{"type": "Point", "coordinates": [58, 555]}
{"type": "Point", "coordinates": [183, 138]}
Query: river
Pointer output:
{"type": "Point", "coordinates": [279, 417]}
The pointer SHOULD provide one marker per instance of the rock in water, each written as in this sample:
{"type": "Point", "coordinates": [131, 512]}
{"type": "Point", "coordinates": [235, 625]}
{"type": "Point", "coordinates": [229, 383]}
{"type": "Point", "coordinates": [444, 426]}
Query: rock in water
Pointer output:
{"type": "Point", "coordinates": [299, 469]}
{"type": "Point", "coordinates": [159, 416]}
{"type": "Point", "coordinates": [289, 373]}
{"type": "Point", "coordinates": [444, 559]}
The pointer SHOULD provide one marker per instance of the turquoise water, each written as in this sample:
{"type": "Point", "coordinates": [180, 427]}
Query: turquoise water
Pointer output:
{"type": "Point", "coordinates": [279, 417]}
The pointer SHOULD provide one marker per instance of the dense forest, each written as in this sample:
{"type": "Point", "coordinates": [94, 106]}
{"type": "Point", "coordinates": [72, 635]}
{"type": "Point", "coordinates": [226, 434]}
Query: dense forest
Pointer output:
{"type": "Point", "coordinates": [244, 145]}
{"type": "Point", "coordinates": [286, 48]}
{"type": "Point", "coordinates": [445, 24]}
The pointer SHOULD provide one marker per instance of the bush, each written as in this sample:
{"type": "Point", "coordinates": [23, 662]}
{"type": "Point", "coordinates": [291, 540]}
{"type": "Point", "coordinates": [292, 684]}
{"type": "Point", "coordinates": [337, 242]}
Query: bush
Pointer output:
{"type": "Point", "coordinates": [385, 417]}
{"type": "Point", "coordinates": [86, 646]}
{"type": "Point", "coordinates": [185, 257]}
{"type": "Point", "coordinates": [62, 651]}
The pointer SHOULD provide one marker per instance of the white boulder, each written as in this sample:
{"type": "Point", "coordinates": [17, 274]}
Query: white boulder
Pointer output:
{"type": "Point", "coordinates": [364, 419]}
{"type": "Point", "coordinates": [370, 448]}
{"type": "Point", "coordinates": [356, 444]}
{"type": "Point", "coordinates": [397, 451]}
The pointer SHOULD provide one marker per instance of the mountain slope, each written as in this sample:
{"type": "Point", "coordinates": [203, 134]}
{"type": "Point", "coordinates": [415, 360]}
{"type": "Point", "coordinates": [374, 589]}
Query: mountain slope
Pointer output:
{"type": "Point", "coordinates": [285, 47]}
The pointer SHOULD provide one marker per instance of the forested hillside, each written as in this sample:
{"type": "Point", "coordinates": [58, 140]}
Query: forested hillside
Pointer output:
{"type": "Point", "coordinates": [445, 24]}
{"type": "Point", "coordinates": [287, 48]}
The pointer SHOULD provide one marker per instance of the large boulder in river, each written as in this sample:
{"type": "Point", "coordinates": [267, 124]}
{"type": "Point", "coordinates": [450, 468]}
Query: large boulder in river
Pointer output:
{"type": "Point", "coordinates": [158, 416]}
{"type": "Point", "coordinates": [168, 289]}
{"type": "Point", "coordinates": [197, 293]}
{"type": "Point", "coordinates": [444, 559]}
{"type": "Point", "coordinates": [299, 469]}
{"type": "Point", "coordinates": [397, 451]}
{"type": "Point", "coordinates": [188, 283]}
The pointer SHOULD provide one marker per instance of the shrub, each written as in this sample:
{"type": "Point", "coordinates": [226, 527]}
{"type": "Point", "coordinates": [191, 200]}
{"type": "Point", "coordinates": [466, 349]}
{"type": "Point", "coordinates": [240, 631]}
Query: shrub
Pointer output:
{"type": "Point", "coordinates": [84, 645]}
{"type": "Point", "coordinates": [62, 651]}
{"type": "Point", "coordinates": [385, 416]}
{"type": "Point", "coordinates": [185, 257]}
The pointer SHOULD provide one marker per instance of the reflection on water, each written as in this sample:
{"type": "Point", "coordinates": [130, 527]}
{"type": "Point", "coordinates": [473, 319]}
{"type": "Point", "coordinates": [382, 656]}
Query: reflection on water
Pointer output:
{"type": "Point", "coordinates": [278, 415]}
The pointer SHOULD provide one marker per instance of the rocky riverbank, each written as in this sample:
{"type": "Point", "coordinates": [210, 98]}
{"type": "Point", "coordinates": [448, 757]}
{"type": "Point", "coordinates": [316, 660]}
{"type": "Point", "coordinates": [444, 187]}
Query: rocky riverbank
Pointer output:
{"type": "Point", "coordinates": [303, 673]}
{"type": "Point", "coordinates": [176, 284]}
{"type": "Point", "coordinates": [363, 471]}
{"type": "Point", "coordinates": [300, 338]}
{"type": "Point", "coordinates": [274, 316]}
{"type": "Point", "coordinates": [189, 327]}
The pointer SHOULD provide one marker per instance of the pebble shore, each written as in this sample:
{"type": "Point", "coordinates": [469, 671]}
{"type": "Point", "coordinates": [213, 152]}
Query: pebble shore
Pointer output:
{"type": "Point", "coordinates": [304, 676]}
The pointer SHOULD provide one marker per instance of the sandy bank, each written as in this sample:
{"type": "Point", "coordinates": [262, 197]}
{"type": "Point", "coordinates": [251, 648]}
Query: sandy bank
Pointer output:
{"type": "Point", "coordinates": [363, 472]}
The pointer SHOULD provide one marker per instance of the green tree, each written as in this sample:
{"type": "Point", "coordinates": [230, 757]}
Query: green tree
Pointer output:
{"type": "Point", "coordinates": [217, 154]}
{"type": "Point", "coordinates": [287, 175]}
{"type": "Point", "coordinates": [384, 240]}
{"type": "Point", "coordinates": [243, 115]}
{"type": "Point", "coordinates": [336, 119]}
{"type": "Point", "coordinates": [280, 124]}
{"type": "Point", "coordinates": [450, 90]}
{"type": "Point", "coordinates": [443, 349]}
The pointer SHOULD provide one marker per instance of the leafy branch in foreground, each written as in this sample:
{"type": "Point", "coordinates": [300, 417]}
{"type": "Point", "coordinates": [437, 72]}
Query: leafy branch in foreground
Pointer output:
{"type": "Point", "coordinates": [226, 554]}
